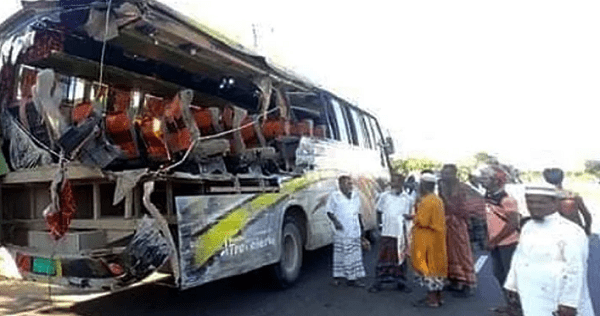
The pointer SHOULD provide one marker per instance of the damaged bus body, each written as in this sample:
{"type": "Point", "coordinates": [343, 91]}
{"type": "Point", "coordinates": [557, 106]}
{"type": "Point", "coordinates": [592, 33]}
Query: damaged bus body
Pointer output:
{"type": "Point", "coordinates": [136, 140]}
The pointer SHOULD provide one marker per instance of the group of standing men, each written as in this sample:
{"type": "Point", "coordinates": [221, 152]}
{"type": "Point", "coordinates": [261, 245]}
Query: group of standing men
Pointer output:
{"type": "Point", "coordinates": [539, 263]}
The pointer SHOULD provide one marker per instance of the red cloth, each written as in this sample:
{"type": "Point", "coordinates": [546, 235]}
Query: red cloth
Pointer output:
{"type": "Point", "coordinates": [497, 219]}
{"type": "Point", "coordinates": [59, 220]}
{"type": "Point", "coordinates": [460, 207]}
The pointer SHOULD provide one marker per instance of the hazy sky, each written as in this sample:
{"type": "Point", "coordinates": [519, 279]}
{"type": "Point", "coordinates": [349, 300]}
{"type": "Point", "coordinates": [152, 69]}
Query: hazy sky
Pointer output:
{"type": "Point", "coordinates": [447, 78]}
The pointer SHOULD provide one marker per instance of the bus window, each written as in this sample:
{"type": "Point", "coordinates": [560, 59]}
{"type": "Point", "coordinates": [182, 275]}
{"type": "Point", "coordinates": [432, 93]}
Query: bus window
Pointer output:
{"type": "Point", "coordinates": [375, 130]}
{"type": "Point", "coordinates": [360, 131]}
{"type": "Point", "coordinates": [367, 132]}
{"type": "Point", "coordinates": [332, 126]}
{"type": "Point", "coordinates": [350, 125]}
{"type": "Point", "coordinates": [339, 116]}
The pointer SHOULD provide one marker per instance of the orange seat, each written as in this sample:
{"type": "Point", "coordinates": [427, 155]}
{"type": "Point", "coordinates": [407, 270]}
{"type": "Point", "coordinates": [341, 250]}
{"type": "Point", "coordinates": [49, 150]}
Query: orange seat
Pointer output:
{"type": "Point", "coordinates": [150, 126]}
{"type": "Point", "coordinates": [177, 134]}
{"type": "Point", "coordinates": [118, 127]}
{"type": "Point", "coordinates": [248, 133]}
{"type": "Point", "coordinates": [320, 131]}
{"type": "Point", "coordinates": [154, 138]}
{"type": "Point", "coordinates": [303, 128]}
{"type": "Point", "coordinates": [81, 112]}
{"type": "Point", "coordinates": [203, 118]}
{"type": "Point", "coordinates": [275, 127]}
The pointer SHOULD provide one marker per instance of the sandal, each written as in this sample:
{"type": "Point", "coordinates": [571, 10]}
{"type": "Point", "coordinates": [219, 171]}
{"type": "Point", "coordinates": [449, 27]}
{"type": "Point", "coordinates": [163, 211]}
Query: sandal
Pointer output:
{"type": "Point", "coordinates": [335, 282]}
{"type": "Point", "coordinates": [355, 283]}
{"type": "Point", "coordinates": [404, 288]}
{"type": "Point", "coordinates": [500, 310]}
{"type": "Point", "coordinates": [425, 303]}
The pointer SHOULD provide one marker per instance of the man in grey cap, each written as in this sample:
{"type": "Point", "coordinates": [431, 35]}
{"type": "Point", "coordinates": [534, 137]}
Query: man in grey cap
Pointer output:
{"type": "Point", "coordinates": [549, 267]}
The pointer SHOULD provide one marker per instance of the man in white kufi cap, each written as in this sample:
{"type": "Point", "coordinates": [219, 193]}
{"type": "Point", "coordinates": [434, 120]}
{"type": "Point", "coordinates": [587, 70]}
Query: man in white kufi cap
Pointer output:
{"type": "Point", "coordinates": [549, 268]}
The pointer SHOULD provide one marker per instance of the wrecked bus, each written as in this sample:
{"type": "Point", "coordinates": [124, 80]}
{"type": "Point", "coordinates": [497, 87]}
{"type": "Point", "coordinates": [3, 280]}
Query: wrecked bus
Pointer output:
{"type": "Point", "coordinates": [136, 140]}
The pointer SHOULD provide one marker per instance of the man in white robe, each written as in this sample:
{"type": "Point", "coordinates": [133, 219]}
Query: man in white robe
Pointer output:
{"type": "Point", "coordinates": [548, 274]}
{"type": "Point", "coordinates": [393, 245]}
{"type": "Point", "coordinates": [343, 208]}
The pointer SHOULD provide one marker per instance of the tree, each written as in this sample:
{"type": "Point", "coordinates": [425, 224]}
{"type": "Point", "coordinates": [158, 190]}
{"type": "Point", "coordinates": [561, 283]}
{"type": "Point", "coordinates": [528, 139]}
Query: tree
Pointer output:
{"type": "Point", "coordinates": [405, 166]}
{"type": "Point", "coordinates": [593, 167]}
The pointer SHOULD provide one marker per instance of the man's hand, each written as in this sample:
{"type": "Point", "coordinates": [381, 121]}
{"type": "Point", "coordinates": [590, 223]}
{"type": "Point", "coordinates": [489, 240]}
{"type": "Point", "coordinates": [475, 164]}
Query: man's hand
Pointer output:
{"type": "Point", "coordinates": [565, 311]}
{"type": "Point", "coordinates": [514, 303]}
{"type": "Point", "coordinates": [335, 221]}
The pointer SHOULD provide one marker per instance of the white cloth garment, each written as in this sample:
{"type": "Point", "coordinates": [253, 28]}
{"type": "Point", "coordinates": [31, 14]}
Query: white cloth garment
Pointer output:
{"type": "Point", "coordinates": [549, 267]}
{"type": "Point", "coordinates": [392, 206]}
{"type": "Point", "coordinates": [347, 258]}
{"type": "Point", "coordinates": [346, 210]}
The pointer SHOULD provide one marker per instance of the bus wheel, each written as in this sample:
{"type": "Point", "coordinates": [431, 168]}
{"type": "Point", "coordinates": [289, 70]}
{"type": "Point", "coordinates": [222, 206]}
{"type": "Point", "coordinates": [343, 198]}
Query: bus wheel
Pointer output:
{"type": "Point", "coordinates": [287, 270]}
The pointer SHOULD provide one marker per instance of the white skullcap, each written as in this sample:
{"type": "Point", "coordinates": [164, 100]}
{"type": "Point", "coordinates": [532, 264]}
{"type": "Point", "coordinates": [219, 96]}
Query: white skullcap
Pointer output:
{"type": "Point", "coordinates": [428, 177]}
{"type": "Point", "coordinates": [541, 190]}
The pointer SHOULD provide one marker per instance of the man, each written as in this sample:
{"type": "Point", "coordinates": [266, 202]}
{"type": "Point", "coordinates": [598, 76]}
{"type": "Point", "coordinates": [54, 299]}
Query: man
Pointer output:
{"type": "Point", "coordinates": [428, 246]}
{"type": "Point", "coordinates": [549, 267]}
{"type": "Point", "coordinates": [571, 204]}
{"type": "Point", "coordinates": [461, 204]}
{"type": "Point", "coordinates": [343, 208]}
{"type": "Point", "coordinates": [393, 205]}
{"type": "Point", "coordinates": [502, 225]}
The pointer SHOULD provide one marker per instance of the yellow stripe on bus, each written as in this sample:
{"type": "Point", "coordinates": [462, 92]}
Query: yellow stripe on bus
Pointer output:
{"type": "Point", "coordinates": [215, 238]}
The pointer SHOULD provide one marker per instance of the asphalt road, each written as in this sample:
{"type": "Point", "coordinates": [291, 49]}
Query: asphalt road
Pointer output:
{"type": "Point", "coordinates": [312, 295]}
{"type": "Point", "coordinates": [252, 295]}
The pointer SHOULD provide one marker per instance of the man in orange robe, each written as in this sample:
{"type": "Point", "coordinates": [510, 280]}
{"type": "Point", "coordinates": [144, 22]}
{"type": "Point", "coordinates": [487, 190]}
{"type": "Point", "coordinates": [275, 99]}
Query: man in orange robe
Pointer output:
{"type": "Point", "coordinates": [428, 253]}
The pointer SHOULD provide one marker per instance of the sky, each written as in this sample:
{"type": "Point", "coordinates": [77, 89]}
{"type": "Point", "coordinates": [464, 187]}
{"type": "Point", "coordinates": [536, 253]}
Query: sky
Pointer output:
{"type": "Point", "coordinates": [518, 79]}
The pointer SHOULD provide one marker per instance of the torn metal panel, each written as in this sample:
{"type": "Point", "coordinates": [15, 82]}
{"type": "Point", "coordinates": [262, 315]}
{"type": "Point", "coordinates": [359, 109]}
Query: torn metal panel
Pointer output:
{"type": "Point", "coordinates": [98, 151]}
{"type": "Point", "coordinates": [265, 85]}
{"type": "Point", "coordinates": [23, 152]}
{"type": "Point", "coordinates": [47, 96]}
{"type": "Point", "coordinates": [163, 226]}
{"type": "Point", "coordinates": [75, 136]}
{"type": "Point", "coordinates": [97, 27]}
{"type": "Point", "coordinates": [148, 251]}
{"type": "Point", "coordinates": [126, 181]}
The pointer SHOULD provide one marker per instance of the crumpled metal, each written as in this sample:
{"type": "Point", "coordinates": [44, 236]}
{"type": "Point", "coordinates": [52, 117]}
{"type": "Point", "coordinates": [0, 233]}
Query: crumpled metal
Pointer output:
{"type": "Point", "coordinates": [96, 25]}
{"type": "Point", "coordinates": [147, 251]}
{"type": "Point", "coordinates": [126, 181]}
{"type": "Point", "coordinates": [47, 97]}
{"type": "Point", "coordinates": [23, 151]}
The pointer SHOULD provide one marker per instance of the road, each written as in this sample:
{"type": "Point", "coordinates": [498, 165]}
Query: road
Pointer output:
{"type": "Point", "coordinates": [249, 295]}
{"type": "Point", "coordinates": [312, 295]}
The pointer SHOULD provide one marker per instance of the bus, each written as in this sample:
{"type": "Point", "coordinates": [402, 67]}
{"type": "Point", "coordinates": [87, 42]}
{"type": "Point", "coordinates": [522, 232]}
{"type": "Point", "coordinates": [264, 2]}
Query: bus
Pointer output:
{"type": "Point", "coordinates": [137, 141]}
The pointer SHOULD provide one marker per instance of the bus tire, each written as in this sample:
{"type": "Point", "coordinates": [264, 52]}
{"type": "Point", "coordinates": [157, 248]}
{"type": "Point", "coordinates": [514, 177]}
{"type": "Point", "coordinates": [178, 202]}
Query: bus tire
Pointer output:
{"type": "Point", "coordinates": [287, 270]}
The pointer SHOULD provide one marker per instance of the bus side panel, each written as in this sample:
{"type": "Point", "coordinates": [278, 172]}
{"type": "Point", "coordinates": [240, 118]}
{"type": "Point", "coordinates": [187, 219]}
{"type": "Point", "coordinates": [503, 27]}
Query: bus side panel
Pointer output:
{"type": "Point", "coordinates": [216, 242]}
{"type": "Point", "coordinates": [366, 166]}
{"type": "Point", "coordinates": [320, 228]}
{"type": "Point", "coordinates": [225, 235]}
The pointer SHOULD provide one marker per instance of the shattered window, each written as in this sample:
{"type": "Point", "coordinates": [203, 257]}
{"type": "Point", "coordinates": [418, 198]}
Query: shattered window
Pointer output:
{"type": "Point", "coordinates": [27, 78]}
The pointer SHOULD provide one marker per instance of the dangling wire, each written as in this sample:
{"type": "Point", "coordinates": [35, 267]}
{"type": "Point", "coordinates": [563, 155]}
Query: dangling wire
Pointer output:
{"type": "Point", "coordinates": [104, 42]}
